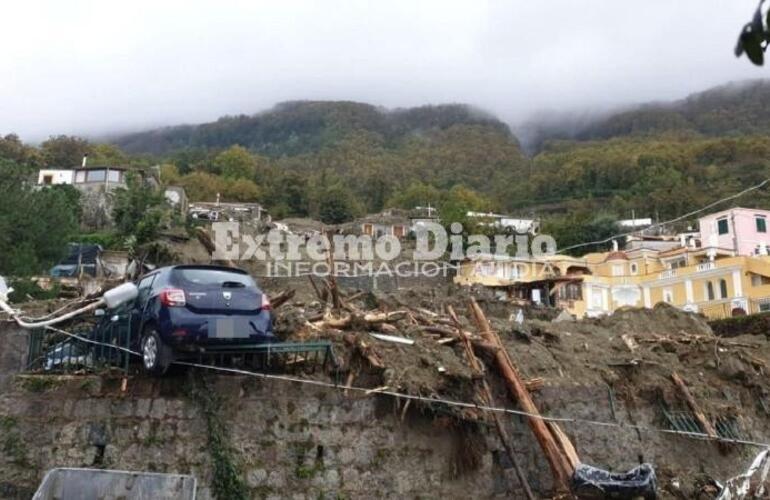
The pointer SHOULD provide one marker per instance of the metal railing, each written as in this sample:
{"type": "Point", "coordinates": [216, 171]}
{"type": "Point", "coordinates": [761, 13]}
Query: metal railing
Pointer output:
{"type": "Point", "coordinates": [52, 352]}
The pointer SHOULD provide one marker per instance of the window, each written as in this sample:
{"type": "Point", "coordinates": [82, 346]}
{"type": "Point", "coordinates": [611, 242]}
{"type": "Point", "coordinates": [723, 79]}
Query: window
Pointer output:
{"type": "Point", "coordinates": [722, 289]}
{"type": "Point", "coordinates": [48, 180]}
{"type": "Point", "coordinates": [192, 276]}
{"type": "Point", "coordinates": [676, 264]}
{"type": "Point", "coordinates": [571, 291]}
{"type": "Point", "coordinates": [722, 227]}
{"type": "Point", "coordinates": [668, 295]}
{"type": "Point", "coordinates": [144, 287]}
{"type": "Point", "coordinates": [96, 175]}
{"type": "Point", "coordinates": [634, 268]}
{"type": "Point", "coordinates": [617, 270]}
{"type": "Point", "coordinates": [80, 176]}
{"type": "Point", "coordinates": [709, 291]}
{"type": "Point", "coordinates": [761, 223]}
{"type": "Point", "coordinates": [113, 175]}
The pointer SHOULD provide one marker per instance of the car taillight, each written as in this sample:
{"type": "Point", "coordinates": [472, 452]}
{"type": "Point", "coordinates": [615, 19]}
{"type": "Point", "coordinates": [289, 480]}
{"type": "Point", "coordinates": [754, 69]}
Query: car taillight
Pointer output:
{"type": "Point", "coordinates": [172, 297]}
{"type": "Point", "coordinates": [266, 306]}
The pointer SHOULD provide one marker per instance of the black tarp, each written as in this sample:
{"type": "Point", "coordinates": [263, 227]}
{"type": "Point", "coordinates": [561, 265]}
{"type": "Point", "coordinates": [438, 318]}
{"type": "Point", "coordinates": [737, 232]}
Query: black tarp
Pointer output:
{"type": "Point", "coordinates": [593, 483]}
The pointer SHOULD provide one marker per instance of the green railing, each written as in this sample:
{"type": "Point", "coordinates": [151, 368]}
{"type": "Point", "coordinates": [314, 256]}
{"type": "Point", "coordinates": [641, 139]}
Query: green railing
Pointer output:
{"type": "Point", "coordinates": [105, 346]}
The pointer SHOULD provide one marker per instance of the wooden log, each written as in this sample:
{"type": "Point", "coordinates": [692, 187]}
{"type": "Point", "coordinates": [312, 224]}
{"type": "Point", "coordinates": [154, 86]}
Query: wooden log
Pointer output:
{"type": "Point", "coordinates": [365, 351]}
{"type": "Point", "coordinates": [566, 445]}
{"type": "Point", "coordinates": [315, 287]}
{"type": "Point", "coordinates": [560, 465]}
{"type": "Point", "coordinates": [486, 397]}
{"type": "Point", "coordinates": [205, 239]}
{"type": "Point", "coordinates": [696, 410]}
{"type": "Point", "coordinates": [282, 298]}
{"type": "Point", "coordinates": [331, 280]}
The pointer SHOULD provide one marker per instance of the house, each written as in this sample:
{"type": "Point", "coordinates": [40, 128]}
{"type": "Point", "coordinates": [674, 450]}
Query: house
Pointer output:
{"type": "Point", "coordinates": [717, 280]}
{"type": "Point", "coordinates": [634, 223]}
{"type": "Point", "coordinates": [95, 178]}
{"type": "Point", "coordinates": [419, 217]}
{"type": "Point", "coordinates": [240, 212]}
{"type": "Point", "coordinates": [506, 222]}
{"type": "Point", "coordinates": [55, 177]}
{"type": "Point", "coordinates": [744, 231]}
{"type": "Point", "coordinates": [391, 222]}
{"type": "Point", "coordinates": [598, 284]}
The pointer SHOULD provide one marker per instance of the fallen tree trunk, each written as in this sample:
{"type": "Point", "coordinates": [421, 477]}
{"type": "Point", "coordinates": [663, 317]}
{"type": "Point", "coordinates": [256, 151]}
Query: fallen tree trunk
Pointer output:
{"type": "Point", "coordinates": [489, 401]}
{"type": "Point", "coordinates": [561, 465]}
{"type": "Point", "coordinates": [205, 239]}
{"type": "Point", "coordinates": [696, 410]}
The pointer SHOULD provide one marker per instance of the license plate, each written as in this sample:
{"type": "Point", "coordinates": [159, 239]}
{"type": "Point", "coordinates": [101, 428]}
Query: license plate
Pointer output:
{"type": "Point", "coordinates": [224, 328]}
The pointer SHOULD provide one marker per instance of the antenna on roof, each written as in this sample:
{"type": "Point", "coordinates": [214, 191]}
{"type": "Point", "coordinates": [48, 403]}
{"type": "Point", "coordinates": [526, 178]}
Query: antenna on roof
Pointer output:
{"type": "Point", "coordinates": [85, 160]}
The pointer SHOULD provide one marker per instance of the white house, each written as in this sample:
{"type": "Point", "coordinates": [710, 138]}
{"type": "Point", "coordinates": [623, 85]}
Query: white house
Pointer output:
{"type": "Point", "coordinates": [52, 177]}
{"type": "Point", "coordinates": [521, 226]}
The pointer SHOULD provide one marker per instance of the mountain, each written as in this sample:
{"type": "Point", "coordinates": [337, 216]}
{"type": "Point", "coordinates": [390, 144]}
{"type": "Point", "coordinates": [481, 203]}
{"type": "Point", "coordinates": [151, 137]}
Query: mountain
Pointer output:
{"type": "Point", "coordinates": [299, 127]}
{"type": "Point", "coordinates": [739, 108]}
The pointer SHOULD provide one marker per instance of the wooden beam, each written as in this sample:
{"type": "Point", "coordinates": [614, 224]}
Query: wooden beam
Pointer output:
{"type": "Point", "coordinates": [487, 398]}
{"type": "Point", "coordinates": [561, 465]}
{"type": "Point", "coordinates": [699, 415]}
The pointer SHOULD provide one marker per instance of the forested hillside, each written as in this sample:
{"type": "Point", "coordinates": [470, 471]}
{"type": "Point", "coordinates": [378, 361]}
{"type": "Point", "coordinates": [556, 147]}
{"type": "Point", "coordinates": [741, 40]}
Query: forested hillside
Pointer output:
{"type": "Point", "coordinates": [729, 110]}
{"type": "Point", "coordinates": [298, 127]}
{"type": "Point", "coordinates": [338, 160]}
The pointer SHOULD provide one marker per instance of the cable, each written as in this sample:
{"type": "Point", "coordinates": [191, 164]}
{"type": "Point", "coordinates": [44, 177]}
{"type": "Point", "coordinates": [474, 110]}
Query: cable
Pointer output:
{"type": "Point", "coordinates": [677, 219]}
{"type": "Point", "coordinates": [447, 402]}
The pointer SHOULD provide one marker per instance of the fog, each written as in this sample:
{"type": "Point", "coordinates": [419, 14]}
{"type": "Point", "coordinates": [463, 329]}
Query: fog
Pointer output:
{"type": "Point", "coordinates": [99, 67]}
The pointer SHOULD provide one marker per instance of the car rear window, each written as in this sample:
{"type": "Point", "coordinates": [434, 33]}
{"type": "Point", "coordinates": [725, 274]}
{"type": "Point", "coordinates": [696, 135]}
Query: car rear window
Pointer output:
{"type": "Point", "coordinates": [211, 277]}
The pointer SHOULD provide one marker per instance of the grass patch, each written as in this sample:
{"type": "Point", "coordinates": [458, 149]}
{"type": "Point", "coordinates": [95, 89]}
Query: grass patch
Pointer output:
{"type": "Point", "coordinates": [39, 383]}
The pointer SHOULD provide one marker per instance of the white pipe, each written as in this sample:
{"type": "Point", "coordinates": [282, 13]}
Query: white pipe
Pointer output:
{"type": "Point", "coordinates": [41, 324]}
{"type": "Point", "coordinates": [111, 299]}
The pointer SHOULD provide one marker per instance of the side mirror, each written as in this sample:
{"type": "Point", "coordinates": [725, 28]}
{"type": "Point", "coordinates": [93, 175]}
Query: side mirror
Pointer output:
{"type": "Point", "coordinates": [99, 312]}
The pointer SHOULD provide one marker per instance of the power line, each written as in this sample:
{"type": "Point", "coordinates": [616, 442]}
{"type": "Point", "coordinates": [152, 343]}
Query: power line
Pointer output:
{"type": "Point", "coordinates": [677, 219]}
{"type": "Point", "coordinates": [443, 401]}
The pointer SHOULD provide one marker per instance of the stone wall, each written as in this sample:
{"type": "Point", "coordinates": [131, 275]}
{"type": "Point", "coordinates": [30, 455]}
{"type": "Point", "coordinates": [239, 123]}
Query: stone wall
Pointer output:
{"type": "Point", "coordinates": [289, 441]}
{"type": "Point", "coordinates": [298, 441]}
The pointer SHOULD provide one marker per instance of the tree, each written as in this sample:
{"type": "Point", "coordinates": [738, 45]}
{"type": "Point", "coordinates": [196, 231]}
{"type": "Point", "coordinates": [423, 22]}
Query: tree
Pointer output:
{"type": "Point", "coordinates": [64, 151]}
{"type": "Point", "coordinates": [417, 194]}
{"type": "Point", "coordinates": [138, 210]}
{"type": "Point", "coordinates": [35, 225]}
{"type": "Point", "coordinates": [235, 162]}
{"type": "Point", "coordinates": [202, 186]}
{"type": "Point", "coordinates": [581, 227]}
{"type": "Point", "coordinates": [11, 148]}
{"type": "Point", "coordinates": [106, 154]}
{"type": "Point", "coordinates": [240, 190]}
{"type": "Point", "coordinates": [336, 204]}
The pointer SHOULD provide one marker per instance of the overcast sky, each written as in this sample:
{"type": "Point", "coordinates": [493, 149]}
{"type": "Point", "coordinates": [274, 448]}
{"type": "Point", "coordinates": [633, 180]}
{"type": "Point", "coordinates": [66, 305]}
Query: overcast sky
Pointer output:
{"type": "Point", "coordinates": [92, 67]}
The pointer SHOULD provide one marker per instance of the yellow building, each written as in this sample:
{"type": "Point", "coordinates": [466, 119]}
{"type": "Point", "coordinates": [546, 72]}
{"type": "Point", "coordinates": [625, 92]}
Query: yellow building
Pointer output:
{"type": "Point", "coordinates": [713, 281]}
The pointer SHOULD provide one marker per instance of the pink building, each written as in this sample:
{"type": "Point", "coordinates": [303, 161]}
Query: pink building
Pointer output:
{"type": "Point", "coordinates": [743, 231]}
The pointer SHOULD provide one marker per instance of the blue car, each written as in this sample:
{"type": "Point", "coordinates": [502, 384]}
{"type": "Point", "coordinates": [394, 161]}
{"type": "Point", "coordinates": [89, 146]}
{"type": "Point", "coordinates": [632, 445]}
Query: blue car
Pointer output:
{"type": "Point", "coordinates": [182, 310]}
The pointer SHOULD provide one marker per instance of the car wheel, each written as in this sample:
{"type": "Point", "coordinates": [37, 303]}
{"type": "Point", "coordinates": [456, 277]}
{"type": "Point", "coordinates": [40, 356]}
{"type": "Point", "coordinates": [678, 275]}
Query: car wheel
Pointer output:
{"type": "Point", "coordinates": [156, 356]}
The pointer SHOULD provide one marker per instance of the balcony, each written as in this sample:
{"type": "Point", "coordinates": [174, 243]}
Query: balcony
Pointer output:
{"type": "Point", "coordinates": [705, 266]}
{"type": "Point", "coordinates": [669, 273]}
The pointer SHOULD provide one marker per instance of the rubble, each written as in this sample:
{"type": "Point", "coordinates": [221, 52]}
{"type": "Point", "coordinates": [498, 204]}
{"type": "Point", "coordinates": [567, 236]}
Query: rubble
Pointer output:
{"type": "Point", "coordinates": [442, 352]}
